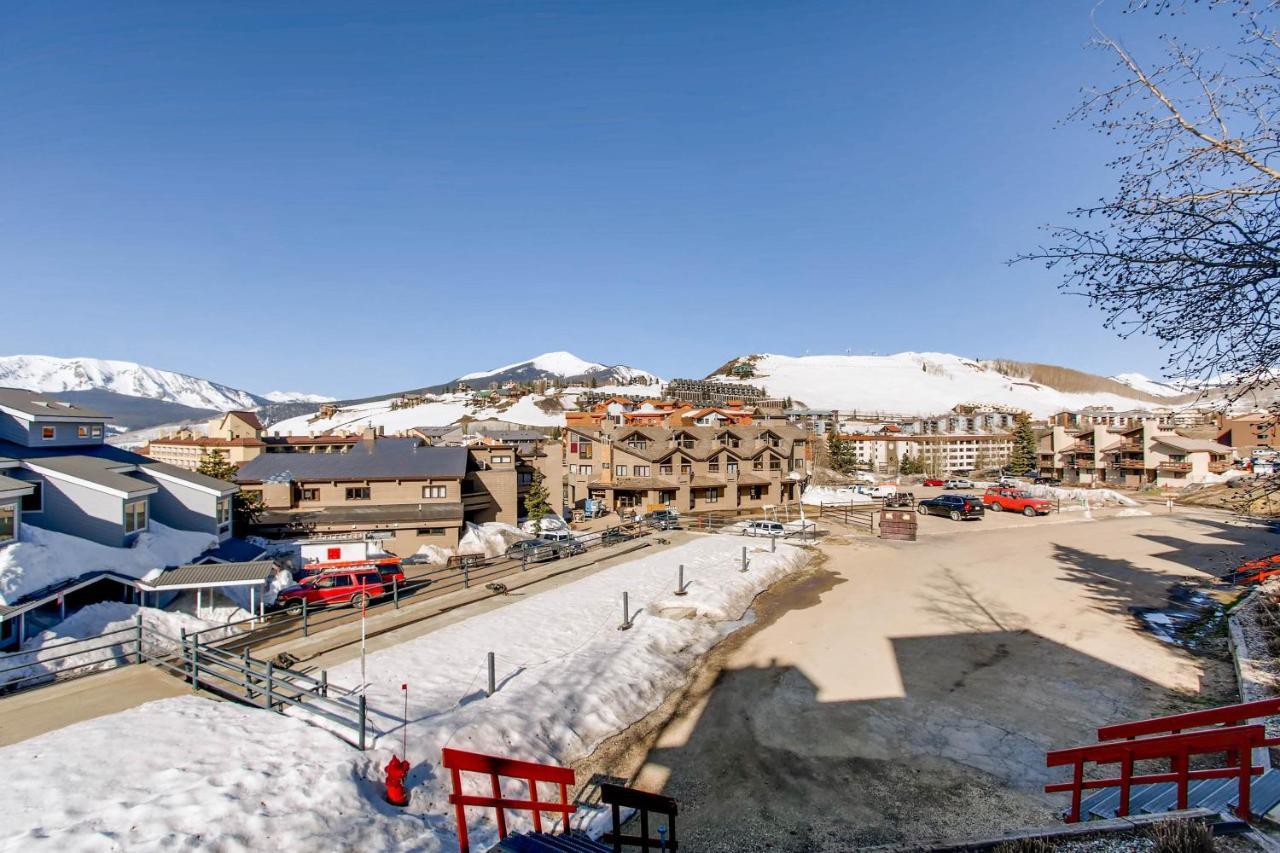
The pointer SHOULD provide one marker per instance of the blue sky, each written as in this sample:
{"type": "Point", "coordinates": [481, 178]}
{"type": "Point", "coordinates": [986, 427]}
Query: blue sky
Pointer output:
{"type": "Point", "coordinates": [350, 198]}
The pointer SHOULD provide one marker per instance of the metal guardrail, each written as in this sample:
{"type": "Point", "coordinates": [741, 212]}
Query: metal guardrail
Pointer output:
{"type": "Point", "coordinates": [249, 680]}
{"type": "Point", "coordinates": [130, 636]}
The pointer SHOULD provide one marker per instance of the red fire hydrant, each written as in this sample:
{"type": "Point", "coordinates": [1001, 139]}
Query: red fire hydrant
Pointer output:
{"type": "Point", "coordinates": [397, 769]}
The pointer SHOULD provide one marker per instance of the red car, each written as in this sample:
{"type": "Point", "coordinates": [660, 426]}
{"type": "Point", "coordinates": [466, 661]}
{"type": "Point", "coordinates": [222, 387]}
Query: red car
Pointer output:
{"type": "Point", "coordinates": [349, 587]}
{"type": "Point", "coordinates": [933, 481]}
{"type": "Point", "coordinates": [1012, 500]}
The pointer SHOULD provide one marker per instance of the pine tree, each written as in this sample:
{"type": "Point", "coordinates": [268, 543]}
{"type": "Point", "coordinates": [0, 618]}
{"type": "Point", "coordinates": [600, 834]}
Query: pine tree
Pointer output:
{"type": "Point", "coordinates": [246, 507]}
{"type": "Point", "coordinates": [1023, 459]}
{"type": "Point", "coordinates": [839, 454]}
{"type": "Point", "coordinates": [536, 504]}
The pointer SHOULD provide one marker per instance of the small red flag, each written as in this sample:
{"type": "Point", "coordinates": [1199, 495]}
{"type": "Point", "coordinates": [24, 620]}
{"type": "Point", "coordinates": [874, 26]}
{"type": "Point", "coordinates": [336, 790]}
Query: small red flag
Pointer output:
{"type": "Point", "coordinates": [404, 687]}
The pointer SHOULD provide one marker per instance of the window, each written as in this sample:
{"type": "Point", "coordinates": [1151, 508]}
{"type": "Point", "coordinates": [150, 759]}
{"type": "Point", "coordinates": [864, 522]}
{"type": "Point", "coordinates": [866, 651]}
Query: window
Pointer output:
{"type": "Point", "coordinates": [342, 580]}
{"type": "Point", "coordinates": [310, 494]}
{"type": "Point", "coordinates": [620, 470]}
{"type": "Point", "coordinates": [500, 460]}
{"type": "Point", "coordinates": [665, 470]}
{"type": "Point", "coordinates": [524, 478]}
{"type": "Point", "coordinates": [358, 493]}
{"type": "Point", "coordinates": [733, 469]}
{"type": "Point", "coordinates": [686, 470]}
{"type": "Point", "coordinates": [82, 432]}
{"type": "Point", "coordinates": [573, 469]}
{"type": "Point", "coordinates": [435, 491]}
{"type": "Point", "coordinates": [224, 511]}
{"type": "Point", "coordinates": [34, 502]}
{"type": "Point", "coordinates": [48, 433]}
{"type": "Point", "coordinates": [713, 495]}
{"type": "Point", "coordinates": [637, 444]}
{"type": "Point", "coordinates": [135, 516]}
{"type": "Point", "coordinates": [97, 431]}
{"type": "Point", "coordinates": [756, 493]}
{"type": "Point", "coordinates": [585, 470]}
{"type": "Point", "coordinates": [775, 464]}
{"type": "Point", "coordinates": [642, 470]}
{"type": "Point", "coordinates": [8, 519]}
{"type": "Point", "coordinates": [713, 467]}
{"type": "Point", "coordinates": [757, 465]}
{"type": "Point", "coordinates": [430, 531]}
{"type": "Point", "coordinates": [584, 450]}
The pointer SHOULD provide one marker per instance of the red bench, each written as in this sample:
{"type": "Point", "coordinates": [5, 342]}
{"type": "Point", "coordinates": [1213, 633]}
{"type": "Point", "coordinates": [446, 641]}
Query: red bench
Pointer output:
{"type": "Point", "coordinates": [459, 761]}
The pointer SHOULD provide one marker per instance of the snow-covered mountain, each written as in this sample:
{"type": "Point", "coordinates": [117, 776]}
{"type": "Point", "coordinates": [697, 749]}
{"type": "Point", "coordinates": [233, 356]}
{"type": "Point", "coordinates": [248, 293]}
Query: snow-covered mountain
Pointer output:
{"type": "Point", "coordinates": [296, 397]}
{"type": "Point", "coordinates": [915, 383]}
{"type": "Point", "coordinates": [558, 365]}
{"type": "Point", "coordinates": [48, 374]}
{"type": "Point", "coordinates": [1138, 382]}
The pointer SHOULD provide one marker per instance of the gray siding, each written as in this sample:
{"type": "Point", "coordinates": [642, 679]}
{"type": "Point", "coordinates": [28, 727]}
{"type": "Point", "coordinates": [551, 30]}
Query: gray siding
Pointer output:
{"type": "Point", "coordinates": [180, 506]}
{"type": "Point", "coordinates": [80, 511]}
{"type": "Point", "coordinates": [68, 433]}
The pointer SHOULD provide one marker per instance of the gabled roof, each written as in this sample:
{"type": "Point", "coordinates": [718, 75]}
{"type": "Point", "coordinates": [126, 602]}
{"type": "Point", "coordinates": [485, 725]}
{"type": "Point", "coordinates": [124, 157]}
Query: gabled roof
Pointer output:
{"type": "Point", "coordinates": [250, 418]}
{"type": "Point", "coordinates": [195, 576]}
{"type": "Point", "coordinates": [371, 459]}
{"type": "Point", "coordinates": [1192, 445]}
{"type": "Point", "coordinates": [163, 470]}
{"type": "Point", "coordinates": [103, 474]}
{"type": "Point", "coordinates": [42, 406]}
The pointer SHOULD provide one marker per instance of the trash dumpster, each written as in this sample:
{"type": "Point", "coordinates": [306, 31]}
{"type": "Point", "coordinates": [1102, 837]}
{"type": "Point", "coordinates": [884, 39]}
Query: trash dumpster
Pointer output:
{"type": "Point", "coordinates": [898, 524]}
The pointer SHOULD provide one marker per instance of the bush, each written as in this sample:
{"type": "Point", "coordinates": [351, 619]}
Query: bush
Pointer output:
{"type": "Point", "coordinates": [1182, 836]}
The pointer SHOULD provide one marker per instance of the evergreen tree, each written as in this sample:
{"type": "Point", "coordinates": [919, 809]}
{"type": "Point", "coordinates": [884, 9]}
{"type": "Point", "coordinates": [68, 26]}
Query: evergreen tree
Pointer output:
{"type": "Point", "coordinates": [246, 507]}
{"type": "Point", "coordinates": [536, 504]}
{"type": "Point", "coordinates": [1023, 459]}
{"type": "Point", "coordinates": [841, 458]}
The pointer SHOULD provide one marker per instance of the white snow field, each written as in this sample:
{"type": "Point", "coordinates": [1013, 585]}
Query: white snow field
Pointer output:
{"type": "Point", "coordinates": [912, 383]}
{"type": "Point", "coordinates": [43, 557]}
{"type": "Point", "coordinates": [820, 495]}
{"type": "Point", "coordinates": [218, 776]}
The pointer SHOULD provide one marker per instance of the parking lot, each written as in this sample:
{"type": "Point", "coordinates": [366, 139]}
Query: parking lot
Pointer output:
{"type": "Point", "coordinates": [905, 692]}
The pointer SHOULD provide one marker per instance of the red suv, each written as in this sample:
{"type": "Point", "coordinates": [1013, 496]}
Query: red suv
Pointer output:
{"type": "Point", "coordinates": [353, 587]}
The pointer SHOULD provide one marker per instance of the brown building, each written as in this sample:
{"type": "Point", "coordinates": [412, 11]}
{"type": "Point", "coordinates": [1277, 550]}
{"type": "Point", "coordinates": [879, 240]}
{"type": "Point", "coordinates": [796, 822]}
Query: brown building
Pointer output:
{"type": "Point", "coordinates": [687, 468]}
{"type": "Point", "coordinates": [1248, 432]}
{"type": "Point", "coordinates": [400, 488]}
{"type": "Point", "coordinates": [241, 437]}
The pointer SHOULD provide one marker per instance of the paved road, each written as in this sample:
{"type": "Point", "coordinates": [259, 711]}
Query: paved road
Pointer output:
{"type": "Point", "coordinates": [908, 691]}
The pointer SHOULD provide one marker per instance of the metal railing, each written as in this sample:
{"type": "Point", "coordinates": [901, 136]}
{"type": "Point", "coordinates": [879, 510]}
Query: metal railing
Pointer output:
{"type": "Point", "coordinates": [127, 643]}
{"type": "Point", "coordinates": [265, 684]}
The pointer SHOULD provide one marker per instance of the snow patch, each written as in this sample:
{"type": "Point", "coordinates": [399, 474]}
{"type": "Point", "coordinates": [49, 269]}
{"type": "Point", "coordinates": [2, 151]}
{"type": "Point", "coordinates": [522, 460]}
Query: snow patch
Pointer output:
{"type": "Point", "coordinates": [41, 558]}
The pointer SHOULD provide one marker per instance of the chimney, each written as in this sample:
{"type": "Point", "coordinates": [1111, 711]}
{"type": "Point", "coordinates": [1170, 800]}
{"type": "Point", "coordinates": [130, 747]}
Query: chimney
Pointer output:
{"type": "Point", "coordinates": [369, 433]}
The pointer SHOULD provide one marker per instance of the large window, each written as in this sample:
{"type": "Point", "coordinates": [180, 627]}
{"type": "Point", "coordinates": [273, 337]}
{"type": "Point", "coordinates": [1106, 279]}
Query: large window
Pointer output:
{"type": "Point", "coordinates": [642, 470]}
{"type": "Point", "coordinates": [135, 516]}
{"type": "Point", "coordinates": [358, 493]}
{"type": "Point", "coordinates": [620, 470]}
{"type": "Point", "coordinates": [713, 495]}
{"type": "Point", "coordinates": [224, 511]}
{"type": "Point", "coordinates": [8, 522]}
{"type": "Point", "coordinates": [435, 491]}
{"type": "Point", "coordinates": [309, 493]}
{"type": "Point", "coordinates": [34, 502]}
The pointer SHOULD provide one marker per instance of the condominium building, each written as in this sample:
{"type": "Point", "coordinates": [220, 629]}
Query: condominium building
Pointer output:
{"type": "Point", "coordinates": [690, 468]}
{"type": "Point", "coordinates": [240, 437]}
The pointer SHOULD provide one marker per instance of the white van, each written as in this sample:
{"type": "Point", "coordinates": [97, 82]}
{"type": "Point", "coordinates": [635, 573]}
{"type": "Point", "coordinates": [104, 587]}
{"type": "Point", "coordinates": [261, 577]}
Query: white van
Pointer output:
{"type": "Point", "coordinates": [762, 528]}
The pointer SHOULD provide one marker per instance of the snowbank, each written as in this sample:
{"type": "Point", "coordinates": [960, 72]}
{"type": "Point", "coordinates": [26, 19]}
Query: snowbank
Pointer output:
{"type": "Point", "coordinates": [490, 539]}
{"type": "Point", "coordinates": [1093, 497]}
{"type": "Point", "coordinates": [43, 557]}
{"type": "Point", "coordinates": [234, 777]}
{"type": "Point", "coordinates": [819, 495]}
{"type": "Point", "coordinates": [88, 625]}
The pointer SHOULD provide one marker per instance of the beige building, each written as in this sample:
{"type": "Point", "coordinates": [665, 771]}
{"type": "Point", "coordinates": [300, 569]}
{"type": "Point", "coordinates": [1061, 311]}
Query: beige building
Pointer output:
{"type": "Point", "coordinates": [688, 468]}
{"type": "Point", "coordinates": [241, 437]}
{"type": "Point", "coordinates": [1142, 455]}
{"type": "Point", "coordinates": [399, 489]}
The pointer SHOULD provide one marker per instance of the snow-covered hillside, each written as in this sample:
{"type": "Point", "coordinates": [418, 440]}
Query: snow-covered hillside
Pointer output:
{"type": "Point", "coordinates": [49, 374]}
{"type": "Point", "coordinates": [1138, 382]}
{"type": "Point", "coordinates": [911, 383]}
{"type": "Point", "coordinates": [563, 365]}
{"type": "Point", "coordinates": [297, 397]}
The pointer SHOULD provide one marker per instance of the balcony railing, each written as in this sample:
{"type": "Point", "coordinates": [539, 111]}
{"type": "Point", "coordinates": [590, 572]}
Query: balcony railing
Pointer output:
{"type": "Point", "coordinates": [1176, 467]}
{"type": "Point", "coordinates": [1131, 463]}
{"type": "Point", "coordinates": [1218, 467]}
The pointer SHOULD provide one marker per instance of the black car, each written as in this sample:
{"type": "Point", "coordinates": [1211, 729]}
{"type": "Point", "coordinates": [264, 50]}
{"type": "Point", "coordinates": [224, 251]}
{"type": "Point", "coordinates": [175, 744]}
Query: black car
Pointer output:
{"type": "Point", "coordinates": [955, 507]}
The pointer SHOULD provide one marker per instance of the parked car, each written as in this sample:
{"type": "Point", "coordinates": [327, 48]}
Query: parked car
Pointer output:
{"type": "Point", "coordinates": [345, 587]}
{"type": "Point", "coordinates": [663, 519]}
{"type": "Point", "coordinates": [933, 481]}
{"type": "Point", "coordinates": [882, 491]}
{"type": "Point", "coordinates": [564, 541]}
{"type": "Point", "coordinates": [614, 535]}
{"type": "Point", "coordinates": [544, 549]}
{"type": "Point", "coordinates": [999, 499]}
{"type": "Point", "coordinates": [959, 483]}
{"type": "Point", "coordinates": [899, 499]}
{"type": "Point", "coordinates": [1047, 481]}
{"type": "Point", "coordinates": [763, 528]}
{"type": "Point", "coordinates": [955, 507]}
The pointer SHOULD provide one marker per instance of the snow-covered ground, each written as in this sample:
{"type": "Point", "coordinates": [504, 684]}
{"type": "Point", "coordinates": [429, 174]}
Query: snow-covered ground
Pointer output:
{"type": "Point", "coordinates": [297, 397]}
{"type": "Point", "coordinates": [1080, 497]}
{"type": "Point", "coordinates": [445, 409]}
{"type": "Point", "coordinates": [80, 640]}
{"type": "Point", "coordinates": [49, 374]}
{"type": "Point", "coordinates": [1138, 382]}
{"type": "Point", "coordinates": [912, 383]}
{"type": "Point", "coordinates": [819, 495]}
{"type": "Point", "coordinates": [43, 557]}
{"type": "Point", "coordinates": [232, 778]}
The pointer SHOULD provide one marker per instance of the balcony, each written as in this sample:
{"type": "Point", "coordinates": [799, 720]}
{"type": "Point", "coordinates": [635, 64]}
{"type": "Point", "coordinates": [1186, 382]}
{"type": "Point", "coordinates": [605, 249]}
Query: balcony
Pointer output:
{"type": "Point", "coordinates": [1218, 467]}
{"type": "Point", "coordinates": [1131, 463]}
{"type": "Point", "coordinates": [1080, 447]}
{"type": "Point", "coordinates": [1086, 462]}
{"type": "Point", "coordinates": [1175, 467]}
{"type": "Point", "coordinates": [1126, 447]}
